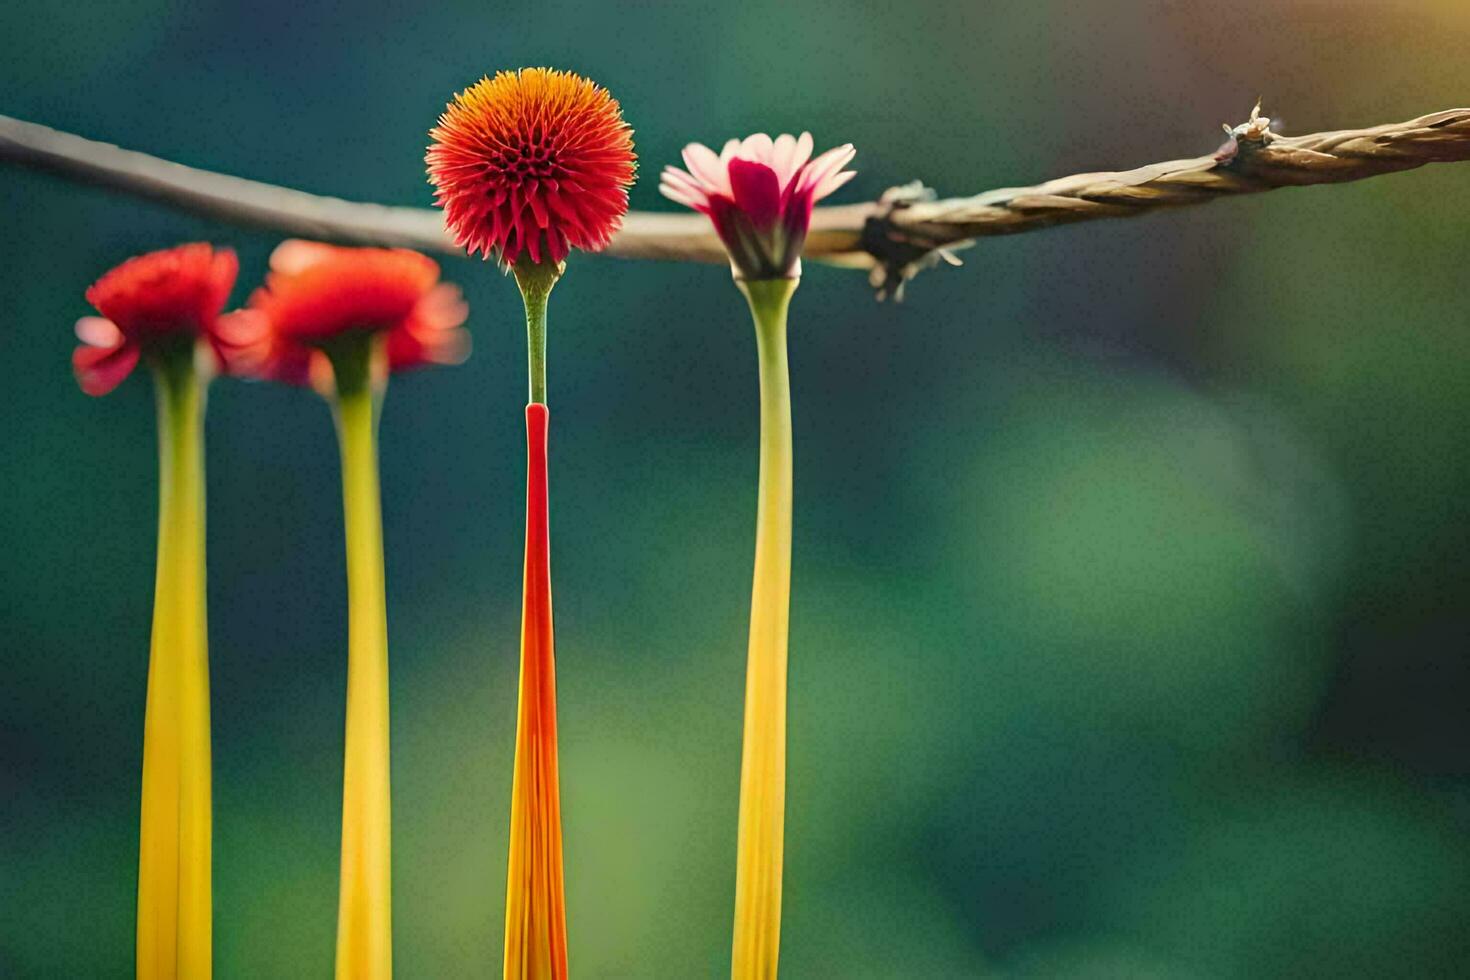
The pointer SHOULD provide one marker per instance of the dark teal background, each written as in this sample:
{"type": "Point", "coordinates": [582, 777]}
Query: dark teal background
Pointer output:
{"type": "Point", "coordinates": [1130, 611]}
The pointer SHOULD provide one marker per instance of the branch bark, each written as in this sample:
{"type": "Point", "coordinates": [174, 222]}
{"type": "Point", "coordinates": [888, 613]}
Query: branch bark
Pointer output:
{"type": "Point", "coordinates": [894, 237]}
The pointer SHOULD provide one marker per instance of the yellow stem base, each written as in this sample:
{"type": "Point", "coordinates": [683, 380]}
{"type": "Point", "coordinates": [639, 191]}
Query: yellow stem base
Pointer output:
{"type": "Point", "coordinates": [757, 937]}
{"type": "Point", "coordinates": [174, 852]}
{"type": "Point", "coordinates": [365, 899]}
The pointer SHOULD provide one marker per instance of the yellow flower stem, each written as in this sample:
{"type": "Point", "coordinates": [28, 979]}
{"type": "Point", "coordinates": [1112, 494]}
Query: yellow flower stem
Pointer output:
{"type": "Point", "coordinates": [364, 911]}
{"type": "Point", "coordinates": [174, 893]}
{"type": "Point", "coordinates": [757, 941]}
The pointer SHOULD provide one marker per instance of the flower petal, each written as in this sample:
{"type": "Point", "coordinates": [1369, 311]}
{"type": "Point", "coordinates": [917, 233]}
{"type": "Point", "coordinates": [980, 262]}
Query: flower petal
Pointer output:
{"type": "Point", "coordinates": [790, 154]}
{"type": "Point", "coordinates": [678, 186]}
{"type": "Point", "coordinates": [756, 192]}
{"type": "Point", "coordinates": [831, 183]}
{"type": "Point", "coordinates": [759, 148]}
{"type": "Point", "coordinates": [785, 149]}
{"type": "Point", "coordinates": [98, 331]}
{"type": "Point", "coordinates": [223, 268]}
{"type": "Point", "coordinates": [179, 289]}
{"type": "Point", "coordinates": [706, 167]}
{"type": "Point", "coordinates": [242, 341]}
{"type": "Point", "coordinates": [827, 164]}
{"type": "Point", "coordinates": [296, 255]}
{"type": "Point", "coordinates": [804, 146]}
{"type": "Point", "coordinates": [101, 369]}
{"type": "Point", "coordinates": [241, 327]}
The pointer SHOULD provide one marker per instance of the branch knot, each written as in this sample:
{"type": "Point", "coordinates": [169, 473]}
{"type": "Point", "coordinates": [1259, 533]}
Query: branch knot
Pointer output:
{"type": "Point", "coordinates": [1251, 135]}
{"type": "Point", "coordinates": [900, 254]}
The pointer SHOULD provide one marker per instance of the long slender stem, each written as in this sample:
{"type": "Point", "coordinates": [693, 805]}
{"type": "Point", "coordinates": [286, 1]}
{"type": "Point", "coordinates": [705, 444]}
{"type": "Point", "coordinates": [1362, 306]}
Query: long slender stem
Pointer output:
{"type": "Point", "coordinates": [174, 886]}
{"type": "Point", "coordinates": [757, 942]}
{"type": "Point", "coordinates": [535, 897]}
{"type": "Point", "coordinates": [364, 913]}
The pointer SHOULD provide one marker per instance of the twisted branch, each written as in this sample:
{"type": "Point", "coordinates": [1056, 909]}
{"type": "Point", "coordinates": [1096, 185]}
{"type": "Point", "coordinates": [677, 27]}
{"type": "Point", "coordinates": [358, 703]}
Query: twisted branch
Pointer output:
{"type": "Point", "coordinates": [1252, 159]}
{"type": "Point", "coordinates": [893, 237]}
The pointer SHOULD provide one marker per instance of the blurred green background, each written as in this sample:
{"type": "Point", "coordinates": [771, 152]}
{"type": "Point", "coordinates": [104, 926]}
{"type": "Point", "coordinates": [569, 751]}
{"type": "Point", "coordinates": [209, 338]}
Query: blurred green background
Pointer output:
{"type": "Point", "coordinates": [1130, 595]}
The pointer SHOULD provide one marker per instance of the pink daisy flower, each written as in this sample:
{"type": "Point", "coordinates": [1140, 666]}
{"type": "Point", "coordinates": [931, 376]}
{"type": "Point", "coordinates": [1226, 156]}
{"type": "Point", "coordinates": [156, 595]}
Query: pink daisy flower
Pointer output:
{"type": "Point", "coordinates": [759, 194]}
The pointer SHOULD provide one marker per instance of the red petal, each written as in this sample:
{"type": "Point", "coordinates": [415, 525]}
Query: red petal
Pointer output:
{"type": "Point", "coordinates": [101, 369]}
{"type": "Point", "coordinates": [757, 192]}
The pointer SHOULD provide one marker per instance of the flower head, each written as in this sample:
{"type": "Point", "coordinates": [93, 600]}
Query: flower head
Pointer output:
{"type": "Point", "coordinates": [316, 292]}
{"type": "Point", "coordinates": [149, 300]}
{"type": "Point", "coordinates": [759, 193]}
{"type": "Point", "coordinates": [534, 160]}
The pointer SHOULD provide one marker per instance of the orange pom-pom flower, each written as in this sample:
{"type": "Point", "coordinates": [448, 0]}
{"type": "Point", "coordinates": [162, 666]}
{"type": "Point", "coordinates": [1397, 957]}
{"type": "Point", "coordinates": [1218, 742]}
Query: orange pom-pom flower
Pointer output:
{"type": "Point", "coordinates": [529, 165]}
{"type": "Point", "coordinates": [535, 161]}
{"type": "Point", "coordinates": [148, 300]}
{"type": "Point", "coordinates": [316, 292]}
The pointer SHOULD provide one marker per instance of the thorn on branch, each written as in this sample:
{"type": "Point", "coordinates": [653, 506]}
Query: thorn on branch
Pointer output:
{"type": "Point", "coordinates": [1249, 136]}
{"type": "Point", "coordinates": [900, 255]}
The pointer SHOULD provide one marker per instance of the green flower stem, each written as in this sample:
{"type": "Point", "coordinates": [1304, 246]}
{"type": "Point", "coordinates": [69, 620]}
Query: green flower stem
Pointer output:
{"type": "Point", "coordinates": [757, 935]}
{"type": "Point", "coordinates": [174, 855]}
{"type": "Point", "coordinates": [536, 280]}
{"type": "Point", "coordinates": [364, 912]}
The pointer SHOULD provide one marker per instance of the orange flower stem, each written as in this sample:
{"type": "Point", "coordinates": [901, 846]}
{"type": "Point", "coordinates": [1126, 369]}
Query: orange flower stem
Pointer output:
{"type": "Point", "coordinates": [535, 897]}
{"type": "Point", "coordinates": [174, 888]}
{"type": "Point", "coordinates": [364, 911]}
{"type": "Point", "coordinates": [757, 935]}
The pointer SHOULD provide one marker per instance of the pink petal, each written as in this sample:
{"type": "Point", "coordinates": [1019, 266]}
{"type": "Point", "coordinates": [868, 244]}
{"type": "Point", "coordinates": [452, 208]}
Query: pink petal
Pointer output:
{"type": "Point", "coordinates": [803, 151]}
{"type": "Point", "coordinates": [678, 186]}
{"type": "Point", "coordinates": [781, 154]}
{"type": "Point", "coordinates": [240, 327]}
{"type": "Point", "coordinates": [242, 340]}
{"type": "Point", "coordinates": [318, 374]}
{"type": "Point", "coordinates": [696, 201]}
{"type": "Point", "coordinates": [789, 156]}
{"type": "Point", "coordinates": [706, 167]}
{"type": "Point", "coordinates": [416, 344]}
{"type": "Point", "coordinates": [98, 332]}
{"type": "Point", "coordinates": [831, 183]}
{"type": "Point", "coordinates": [450, 347]}
{"type": "Point", "coordinates": [758, 147]}
{"type": "Point", "coordinates": [826, 164]}
{"type": "Point", "coordinates": [295, 254]}
{"type": "Point", "coordinates": [442, 307]}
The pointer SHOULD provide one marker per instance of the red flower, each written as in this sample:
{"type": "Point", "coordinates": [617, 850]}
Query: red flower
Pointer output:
{"type": "Point", "coordinates": [315, 292]}
{"type": "Point", "coordinates": [758, 193]}
{"type": "Point", "coordinates": [534, 160]}
{"type": "Point", "coordinates": [150, 299]}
